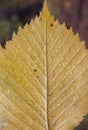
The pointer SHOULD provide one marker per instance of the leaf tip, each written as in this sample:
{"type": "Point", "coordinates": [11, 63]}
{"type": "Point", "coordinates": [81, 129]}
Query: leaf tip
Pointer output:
{"type": "Point", "coordinates": [45, 3]}
{"type": "Point", "coordinates": [45, 6]}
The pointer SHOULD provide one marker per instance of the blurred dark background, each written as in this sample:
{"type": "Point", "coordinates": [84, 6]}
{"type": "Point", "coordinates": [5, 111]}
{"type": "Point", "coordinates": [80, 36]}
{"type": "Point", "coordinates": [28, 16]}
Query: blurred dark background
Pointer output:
{"type": "Point", "coordinates": [74, 13]}
{"type": "Point", "coordinates": [14, 13]}
{"type": "Point", "coordinates": [17, 12]}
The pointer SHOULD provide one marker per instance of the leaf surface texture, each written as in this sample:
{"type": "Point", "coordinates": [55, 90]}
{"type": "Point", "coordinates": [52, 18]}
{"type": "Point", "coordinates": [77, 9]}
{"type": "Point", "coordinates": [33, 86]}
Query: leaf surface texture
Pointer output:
{"type": "Point", "coordinates": [43, 77]}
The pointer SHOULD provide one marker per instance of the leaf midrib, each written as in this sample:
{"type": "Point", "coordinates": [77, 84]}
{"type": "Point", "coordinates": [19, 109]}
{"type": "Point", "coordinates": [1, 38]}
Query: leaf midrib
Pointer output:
{"type": "Point", "coordinates": [46, 74]}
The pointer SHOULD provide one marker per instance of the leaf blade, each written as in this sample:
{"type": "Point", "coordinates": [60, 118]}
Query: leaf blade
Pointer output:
{"type": "Point", "coordinates": [43, 77]}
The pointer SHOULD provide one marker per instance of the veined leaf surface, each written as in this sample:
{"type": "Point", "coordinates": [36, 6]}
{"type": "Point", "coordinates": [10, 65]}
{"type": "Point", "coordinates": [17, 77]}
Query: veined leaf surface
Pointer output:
{"type": "Point", "coordinates": [43, 77]}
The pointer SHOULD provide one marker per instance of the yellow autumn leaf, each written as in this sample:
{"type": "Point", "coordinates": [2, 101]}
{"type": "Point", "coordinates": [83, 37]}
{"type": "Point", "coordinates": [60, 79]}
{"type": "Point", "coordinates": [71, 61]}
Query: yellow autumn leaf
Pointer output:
{"type": "Point", "coordinates": [43, 77]}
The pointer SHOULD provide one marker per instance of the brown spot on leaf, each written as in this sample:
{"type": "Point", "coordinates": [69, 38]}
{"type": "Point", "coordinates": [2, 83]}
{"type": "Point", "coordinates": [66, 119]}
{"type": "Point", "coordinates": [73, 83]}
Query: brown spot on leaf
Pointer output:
{"type": "Point", "coordinates": [51, 24]}
{"type": "Point", "coordinates": [35, 70]}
